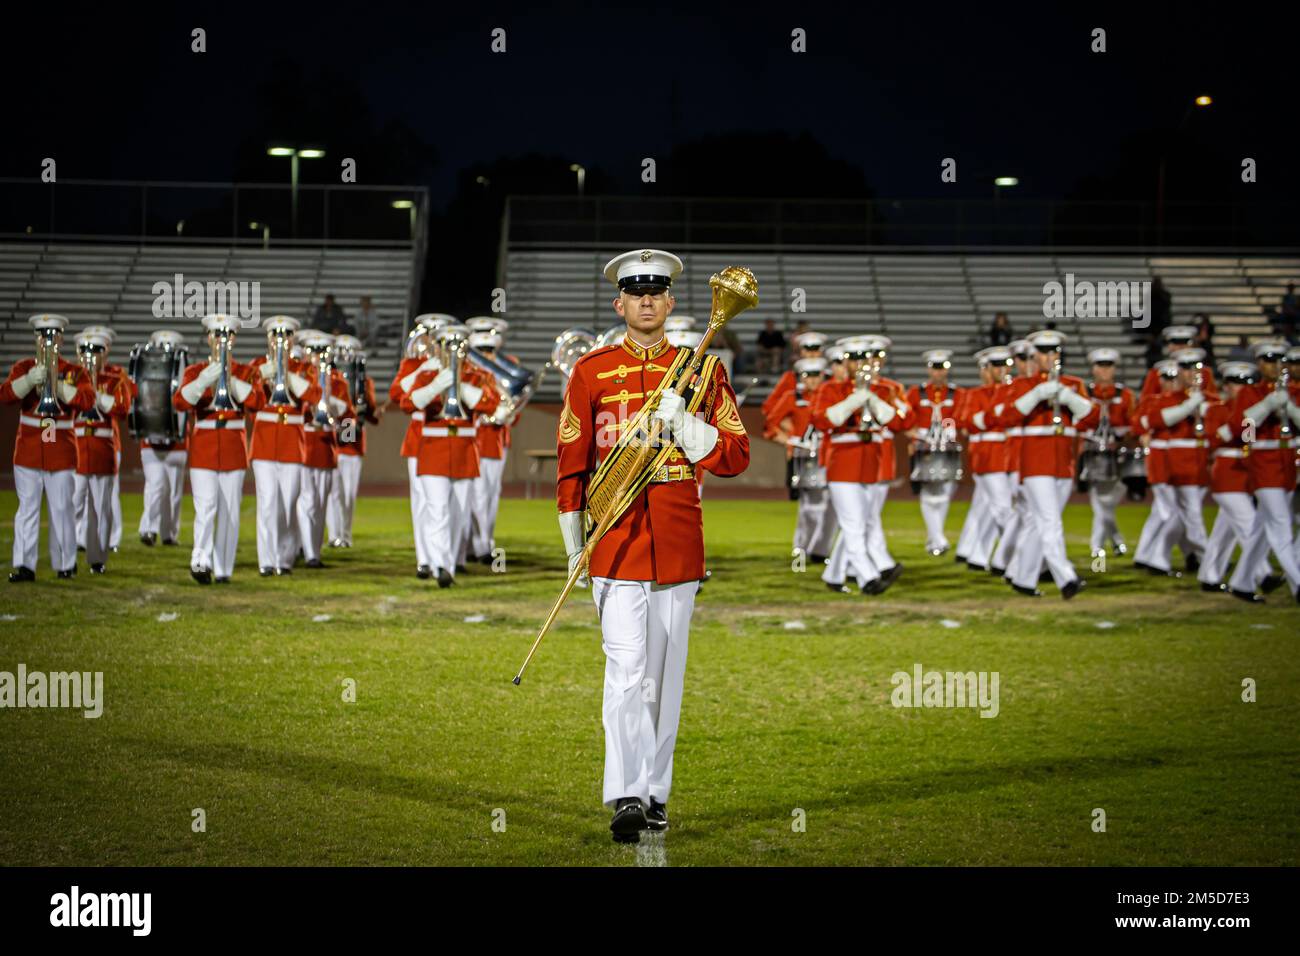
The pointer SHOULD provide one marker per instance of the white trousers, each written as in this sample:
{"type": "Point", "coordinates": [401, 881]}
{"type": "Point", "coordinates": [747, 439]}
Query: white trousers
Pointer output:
{"type": "Point", "coordinates": [343, 498]}
{"type": "Point", "coordinates": [1270, 531]}
{"type": "Point", "coordinates": [57, 488]}
{"type": "Point", "coordinates": [1104, 499]}
{"type": "Point", "coordinates": [112, 516]}
{"type": "Point", "coordinates": [279, 486]}
{"type": "Point", "coordinates": [446, 503]}
{"type": "Point", "coordinates": [99, 516]}
{"type": "Point", "coordinates": [645, 629]}
{"type": "Point", "coordinates": [936, 496]}
{"type": "Point", "coordinates": [1232, 527]}
{"type": "Point", "coordinates": [853, 512]}
{"type": "Point", "coordinates": [1188, 529]}
{"type": "Point", "coordinates": [974, 519]}
{"type": "Point", "coordinates": [217, 496]}
{"type": "Point", "coordinates": [814, 527]}
{"type": "Point", "coordinates": [995, 517]}
{"type": "Point", "coordinates": [877, 493]}
{"type": "Point", "coordinates": [485, 497]}
{"type": "Point", "coordinates": [312, 499]}
{"type": "Point", "coordinates": [115, 533]}
{"type": "Point", "coordinates": [1015, 524]}
{"type": "Point", "coordinates": [417, 514]}
{"type": "Point", "coordinates": [164, 488]}
{"type": "Point", "coordinates": [1045, 497]}
{"type": "Point", "coordinates": [1157, 528]}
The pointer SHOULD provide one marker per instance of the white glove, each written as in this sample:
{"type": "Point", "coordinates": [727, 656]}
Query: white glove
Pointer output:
{"type": "Point", "coordinates": [422, 396]}
{"type": "Point", "coordinates": [695, 437]}
{"type": "Point", "coordinates": [67, 392]}
{"type": "Point", "coordinates": [267, 370]}
{"type": "Point", "coordinates": [843, 410]}
{"type": "Point", "coordinates": [106, 402]}
{"type": "Point", "coordinates": [573, 529]}
{"type": "Point", "coordinates": [1261, 409]}
{"type": "Point", "coordinates": [1293, 410]}
{"type": "Point", "coordinates": [880, 409]}
{"type": "Point", "coordinates": [431, 364]}
{"type": "Point", "coordinates": [337, 406]}
{"type": "Point", "coordinates": [36, 375]}
{"type": "Point", "coordinates": [470, 395]}
{"type": "Point", "coordinates": [239, 390]}
{"type": "Point", "coordinates": [1076, 403]}
{"type": "Point", "coordinates": [24, 383]}
{"type": "Point", "coordinates": [211, 372]}
{"type": "Point", "coordinates": [1027, 402]}
{"type": "Point", "coordinates": [1277, 398]}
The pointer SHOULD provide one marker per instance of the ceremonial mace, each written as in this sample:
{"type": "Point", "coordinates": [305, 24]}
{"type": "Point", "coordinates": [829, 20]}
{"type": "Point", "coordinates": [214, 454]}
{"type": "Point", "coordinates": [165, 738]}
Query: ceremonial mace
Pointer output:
{"type": "Point", "coordinates": [734, 290]}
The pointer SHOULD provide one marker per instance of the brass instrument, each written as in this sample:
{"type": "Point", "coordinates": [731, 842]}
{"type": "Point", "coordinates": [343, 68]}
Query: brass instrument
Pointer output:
{"type": "Point", "coordinates": [91, 358]}
{"type": "Point", "coordinates": [625, 467]}
{"type": "Point", "coordinates": [221, 399]}
{"type": "Point", "coordinates": [1283, 385]}
{"type": "Point", "coordinates": [570, 345]}
{"type": "Point", "coordinates": [356, 376]}
{"type": "Point", "coordinates": [280, 356]}
{"type": "Point", "coordinates": [452, 343]}
{"type": "Point", "coordinates": [514, 382]}
{"type": "Point", "coordinates": [1055, 376]}
{"type": "Point", "coordinates": [322, 358]}
{"type": "Point", "coordinates": [47, 353]}
{"type": "Point", "coordinates": [864, 378]}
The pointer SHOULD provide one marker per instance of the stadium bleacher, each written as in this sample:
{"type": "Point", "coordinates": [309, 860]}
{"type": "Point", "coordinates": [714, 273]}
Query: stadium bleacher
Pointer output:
{"type": "Point", "coordinates": [113, 285]}
{"type": "Point", "coordinates": [920, 300]}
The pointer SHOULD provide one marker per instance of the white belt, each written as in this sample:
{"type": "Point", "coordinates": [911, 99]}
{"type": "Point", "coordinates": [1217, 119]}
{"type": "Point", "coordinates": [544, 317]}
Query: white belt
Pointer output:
{"type": "Point", "coordinates": [451, 431]}
{"type": "Point", "coordinates": [1266, 444]}
{"type": "Point", "coordinates": [1229, 453]}
{"type": "Point", "coordinates": [988, 436]}
{"type": "Point", "coordinates": [282, 418]}
{"type": "Point", "coordinates": [847, 438]}
{"type": "Point", "coordinates": [35, 422]}
{"type": "Point", "coordinates": [1016, 432]}
{"type": "Point", "coordinates": [1183, 443]}
{"type": "Point", "coordinates": [220, 423]}
{"type": "Point", "coordinates": [417, 416]}
{"type": "Point", "coordinates": [1039, 431]}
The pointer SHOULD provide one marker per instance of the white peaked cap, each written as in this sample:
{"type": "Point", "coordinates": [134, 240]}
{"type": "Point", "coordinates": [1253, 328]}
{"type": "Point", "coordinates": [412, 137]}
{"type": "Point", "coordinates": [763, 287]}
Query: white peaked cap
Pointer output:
{"type": "Point", "coordinates": [937, 357]}
{"type": "Point", "coordinates": [47, 320]}
{"type": "Point", "coordinates": [485, 339]}
{"type": "Point", "coordinates": [285, 323]}
{"type": "Point", "coordinates": [219, 322]}
{"type": "Point", "coordinates": [1047, 339]}
{"type": "Point", "coordinates": [434, 320]}
{"type": "Point", "coordinates": [993, 355]}
{"type": "Point", "coordinates": [679, 323]}
{"type": "Point", "coordinates": [1166, 368]}
{"type": "Point", "coordinates": [1242, 370]}
{"type": "Point", "coordinates": [103, 330]}
{"type": "Point", "coordinates": [1103, 355]}
{"type": "Point", "coordinates": [807, 366]}
{"type": "Point", "coordinates": [1273, 348]}
{"type": "Point", "coordinates": [1179, 332]}
{"type": "Point", "coordinates": [810, 340]}
{"type": "Point", "coordinates": [88, 337]}
{"type": "Point", "coordinates": [1188, 356]}
{"type": "Point", "coordinates": [166, 337]}
{"type": "Point", "coordinates": [487, 323]}
{"type": "Point", "coordinates": [349, 342]}
{"type": "Point", "coordinates": [643, 267]}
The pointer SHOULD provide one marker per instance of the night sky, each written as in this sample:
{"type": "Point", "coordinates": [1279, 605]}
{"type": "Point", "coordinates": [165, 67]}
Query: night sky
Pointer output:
{"type": "Point", "coordinates": [114, 92]}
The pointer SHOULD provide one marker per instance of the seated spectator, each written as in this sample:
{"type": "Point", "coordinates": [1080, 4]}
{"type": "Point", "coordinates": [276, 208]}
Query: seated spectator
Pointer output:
{"type": "Point", "coordinates": [1277, 323]}
{"type": "Point", "coordinates": [771, 349]}
{"type": "Point", "coordinates": [1000, 331]}
{"type": "Point", "coordinates": [332, 319]}
{"type": "Point", "coordinates": [728, 339]}
{"type": "Point", "coordinates": [1241, 351]}
{"type": "Point", "coordinates": [1205, 338]}
{"type": "Point", "coordinates": [367, 323]}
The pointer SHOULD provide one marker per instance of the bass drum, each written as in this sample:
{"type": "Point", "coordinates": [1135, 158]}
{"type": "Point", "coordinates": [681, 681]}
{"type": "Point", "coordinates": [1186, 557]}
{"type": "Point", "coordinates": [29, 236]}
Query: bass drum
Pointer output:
{"type": "Point", "coordinates": [1098, 466]}
{"type": "Point", "coordinates": [936, 466]}
{"type": "Point", "coordinates": [1132, 465]}
{"type": "Point", "coordinates": [156, 372]}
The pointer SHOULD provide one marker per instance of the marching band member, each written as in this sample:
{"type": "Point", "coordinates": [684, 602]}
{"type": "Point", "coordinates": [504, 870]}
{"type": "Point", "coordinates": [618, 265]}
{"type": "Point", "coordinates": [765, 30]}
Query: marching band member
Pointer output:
{"type": "Point", "coordinates": [323, 409]}
{"type": "Point", "coordinates": [218, 397]}
{"type": "Point", "coordinates": [1039, 404]}
{"type": "Point", "coordinates": [1116, 406]}
{"type": "Point", "coordinates": [97, 459]}
{"type": "Point", "coordinates": [1229, 479]}
{"type": "Point", "coordinates": [1180, 428]}
{"type": "Point", "coordinates": [1265, 416]}
{"type": "Point", "coordinates": [1022, 355]}
{"type": "Point", "coordinates": [933, 407]}
{"type": "Point", "coordinates": [447, 458]}
{"type": "Point", "coordinates": [49, 391]}
{"type": "Point", "coordinates": [646, 570]}
{"type": "Point", "coordinates": [814, 531]}
{"type": "Point", "coordinates": [108, 370]}
{"type": "Point", "coordinates": [810, 345]}
{"type": "Point", "coordinates": [418, 358]}
{"type": "Point", "coordinates": [279, 446]}
{"type": "Point", "coordinates": [850, 414]}
{"type": "Point", "coordinates": [1164, 515]}
{"type": "Point", "coordinates": [1176, 338]}
{"type": "Point", "coordinates": [493, 442]}
{"type": "Point", "coordinates": [990, 505]}
{"type": "Point", "coordinates": [351, 445]}
{"type": "Point", "coordinates": [164, 471]}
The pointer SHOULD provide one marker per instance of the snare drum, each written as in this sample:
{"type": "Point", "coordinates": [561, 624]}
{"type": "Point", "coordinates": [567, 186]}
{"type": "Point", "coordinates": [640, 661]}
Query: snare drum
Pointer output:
{"type": "Point", "coordinates": [156, 371]}
{"type": "Point", "coordinates": [1132, 464]}
{"type": "Point", "coordinates": [937, 466]}
{"type": "Point", "coordinates": [1099, 466]}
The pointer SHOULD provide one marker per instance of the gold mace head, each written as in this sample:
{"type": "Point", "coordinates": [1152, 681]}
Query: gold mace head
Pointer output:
{"type": "Point", "coordinates": [734, 290]}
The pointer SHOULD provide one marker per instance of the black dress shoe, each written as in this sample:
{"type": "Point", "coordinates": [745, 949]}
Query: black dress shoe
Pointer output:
{"type": "Point", "coordinates": [148, 539]}
{"type": "Point", "coordinates": [21, 574]}
{"type": "Point", "coordinates": [1192, 563]}
{"type": "Point", "coordinates": [1072, 588]}
{"type": "Point", "coordinates": [97, 569]}
{"type": "Point", "coordinates": [656, 818]}
{"type": "Point", "coordinates": [444, 578]}
{"type": "Point", "coordinates": [315, 563]}
{"type": "Point", "coordinates": [629, 820]}
{"type": "Point", "coordinates": [202, 575]}
{"type": "Point", "coordinates": [283, 571]}
{"type": "Point", "coordinates": [817, 558]}
{"type": "Point", "coordinates": [839, 588]}
{"type": "Point", "coordinates": [423, 572]}
{"type": "Point", "coordinates": [1121, 549]}
{"type": "Point", "coordinates": [81, 547]}
{"type": "Point", "coordinates": [460, 569]}
{"type": "Point", "coordinates": [1250, 597]}
{"type": "Point", "coordinates": [874, 586]}
{"type": "Point", "coordinates": [170, 542]}
{"type": "Point", "coordinates": [225, 580]}
{"type": "Point", "coordinates": [69, 573]}
{"type": "Point", "coordinates": [1142, 565]}
{"type": "Point", "coordinates": [997, 572]}
{"type": "Point", "coordinates": [266, 572]}
{"type": "Point", "coordinates": [1216, 588]}
{"type": "Point", "coordinates": [1271, 583]}
{"type": "Point", "coordinates": [972, 566]}
{"type": "Point", "coordinates": [1027, 592]}
{"type": "Point", "coordinates": [958, 559]}
{"type": "Point", "coordinates": [892, 575]}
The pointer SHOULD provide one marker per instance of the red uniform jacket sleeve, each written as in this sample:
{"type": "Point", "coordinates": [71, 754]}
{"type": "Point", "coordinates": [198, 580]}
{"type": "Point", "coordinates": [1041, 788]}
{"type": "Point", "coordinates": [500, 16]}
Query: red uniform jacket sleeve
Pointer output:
{"type": "Point", "coordinates": [730, 456]}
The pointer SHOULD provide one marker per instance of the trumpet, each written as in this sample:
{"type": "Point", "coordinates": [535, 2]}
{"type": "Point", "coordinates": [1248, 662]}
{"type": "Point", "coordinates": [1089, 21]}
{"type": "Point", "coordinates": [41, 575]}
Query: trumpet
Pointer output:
{"type": "Point", "coordinates": [452, 343]}
{"type": "Point", "coordinates": [280, 356]}
{"type": "Point", "coordinates": [1283, 385]}
{"type": "Point", "coordinates": [864, 378]}
{"type": "Point", "coordinates": [321, 355]}
{"type": "Point", "coordinates": [47, 353]}
{"type": "Point", "coordinates": [221, 399]}
{"type": "Point", "coordinates": [1055, 376]}
{"type": "Point", "coordinates": [92, 359]}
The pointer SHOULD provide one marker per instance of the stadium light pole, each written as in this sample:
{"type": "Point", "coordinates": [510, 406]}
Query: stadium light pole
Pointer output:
{"type": "Point", "coordinates": [294, 155]}
{"type": "Point", "coordinates": [1201, 102]}
{"type": "Point", "coordinates": [1000, 183]}
{"type": "Point", "coordinates": [582, 176]}
{"type": "Point", "coordinates": [407, 204]}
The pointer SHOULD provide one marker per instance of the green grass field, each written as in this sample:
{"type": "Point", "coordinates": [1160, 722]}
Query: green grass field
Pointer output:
{"type": "Point", "coordinates": [1126, 699]}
